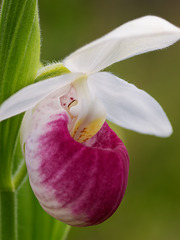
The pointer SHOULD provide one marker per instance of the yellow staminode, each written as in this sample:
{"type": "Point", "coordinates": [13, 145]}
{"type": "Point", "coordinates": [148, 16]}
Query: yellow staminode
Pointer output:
{"type": "Point", "coordinates": [83, 132]}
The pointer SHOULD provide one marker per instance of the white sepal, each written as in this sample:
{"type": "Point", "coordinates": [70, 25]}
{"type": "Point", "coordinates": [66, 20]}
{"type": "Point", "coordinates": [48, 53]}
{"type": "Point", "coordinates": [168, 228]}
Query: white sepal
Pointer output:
{"type": "Point", "coordinates": [128, 106]}
{"type": "Point", "coordinates": [132, 38]}
{"type": "Point", "coordinates": [29, 96]}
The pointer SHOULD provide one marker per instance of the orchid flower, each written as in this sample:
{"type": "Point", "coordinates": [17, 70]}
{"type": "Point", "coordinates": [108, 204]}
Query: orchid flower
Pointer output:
{"type": "Point", "coordinates": [77, 166]}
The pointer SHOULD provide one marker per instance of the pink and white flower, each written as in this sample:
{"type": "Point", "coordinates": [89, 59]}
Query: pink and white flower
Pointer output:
{"type": "Point", "coordinates": [78, 167]}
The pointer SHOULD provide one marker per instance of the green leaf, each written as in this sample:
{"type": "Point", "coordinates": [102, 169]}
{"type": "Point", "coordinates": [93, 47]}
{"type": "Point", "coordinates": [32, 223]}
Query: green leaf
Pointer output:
{"type": "Point", "coordinates": [19, 62]}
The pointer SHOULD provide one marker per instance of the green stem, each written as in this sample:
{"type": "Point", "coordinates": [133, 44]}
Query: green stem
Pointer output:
{"type": "Point", "coordinates": [66, 232]}
{"type": "Point", "coordinates": [20, 176]}
{"type": "Point", "coordinates": [8, 215]}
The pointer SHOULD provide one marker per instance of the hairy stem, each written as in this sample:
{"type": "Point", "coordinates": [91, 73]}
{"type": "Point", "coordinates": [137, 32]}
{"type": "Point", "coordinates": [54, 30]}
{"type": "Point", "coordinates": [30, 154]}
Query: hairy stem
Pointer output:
{"type": "Point", "coordinates": [8, 215]}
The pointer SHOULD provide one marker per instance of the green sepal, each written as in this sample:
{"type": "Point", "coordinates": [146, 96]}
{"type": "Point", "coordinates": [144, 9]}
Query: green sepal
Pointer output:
{"type": "Point", "coordinates": [50, 71]}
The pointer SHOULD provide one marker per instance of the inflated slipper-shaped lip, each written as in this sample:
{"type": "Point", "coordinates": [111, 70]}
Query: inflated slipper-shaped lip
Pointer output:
{"type": "Point", "coordinates": [79, 184]}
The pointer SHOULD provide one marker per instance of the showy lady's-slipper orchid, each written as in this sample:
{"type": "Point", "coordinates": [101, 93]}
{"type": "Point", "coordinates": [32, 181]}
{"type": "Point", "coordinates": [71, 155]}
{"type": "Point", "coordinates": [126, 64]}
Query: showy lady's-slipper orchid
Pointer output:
{"type": "Point", "coordinates": [78, 167]}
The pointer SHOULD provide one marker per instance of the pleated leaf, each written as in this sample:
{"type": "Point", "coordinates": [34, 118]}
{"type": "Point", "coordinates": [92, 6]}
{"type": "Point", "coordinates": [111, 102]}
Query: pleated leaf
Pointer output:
{"type": "Point", "coordinates": [19, 61]}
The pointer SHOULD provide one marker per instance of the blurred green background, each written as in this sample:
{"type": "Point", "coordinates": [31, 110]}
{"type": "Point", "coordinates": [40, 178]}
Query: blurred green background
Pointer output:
{"type": "Point", "coordinates": [151, 206]}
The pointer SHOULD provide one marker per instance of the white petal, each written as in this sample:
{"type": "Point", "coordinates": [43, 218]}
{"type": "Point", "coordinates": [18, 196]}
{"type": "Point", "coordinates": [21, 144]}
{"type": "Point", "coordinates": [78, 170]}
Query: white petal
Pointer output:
{"type": "Point", "coordinates": [89, 112]}
{"type": "Point", "coordinates": [29, 96]}
{"type": "Point", "coordinates": [135, 37]}
{"type": "Point", "coordinates": [128, 106]}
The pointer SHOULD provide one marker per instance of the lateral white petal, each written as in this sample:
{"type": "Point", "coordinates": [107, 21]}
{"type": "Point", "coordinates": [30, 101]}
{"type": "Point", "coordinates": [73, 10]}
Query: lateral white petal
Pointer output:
{"type": "Point", "coordinates": [128, 106]}
{"type": "Point", "coordinates": [132, 38]}
{"type": "Point", "coordinates": [29, 96]}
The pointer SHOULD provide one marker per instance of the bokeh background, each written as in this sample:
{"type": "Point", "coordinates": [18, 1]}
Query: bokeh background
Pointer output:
{"type": "Point", "coordinates": [151, 206]}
